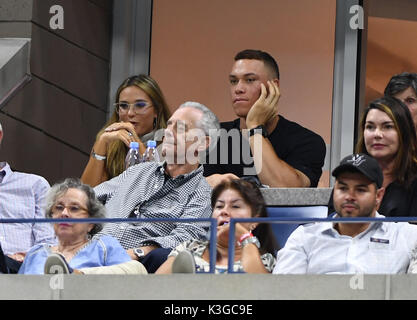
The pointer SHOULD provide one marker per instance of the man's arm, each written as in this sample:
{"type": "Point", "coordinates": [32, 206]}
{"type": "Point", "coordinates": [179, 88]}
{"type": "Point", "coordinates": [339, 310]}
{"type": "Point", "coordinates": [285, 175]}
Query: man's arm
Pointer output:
{"type": "Point", "coordinates": [292, 259]}
{"type": "Point", "coordinates": [198, 206]}
{"type": "Point", "coordinates": [273, 171]}
{"type": "Point", "coordinates": [106, 189]}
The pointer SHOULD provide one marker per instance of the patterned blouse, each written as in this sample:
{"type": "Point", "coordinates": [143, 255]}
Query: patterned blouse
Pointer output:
{"type": "Point", "coordinates": [197, 248]}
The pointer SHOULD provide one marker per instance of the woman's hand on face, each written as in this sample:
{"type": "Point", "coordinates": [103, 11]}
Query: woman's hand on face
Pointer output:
{"type": "Point", "coordinates": [241, 229]}
{"type": "Point", "coordinates": [123, 131]}
{"type": "Point", "coordinates": [223, 231]}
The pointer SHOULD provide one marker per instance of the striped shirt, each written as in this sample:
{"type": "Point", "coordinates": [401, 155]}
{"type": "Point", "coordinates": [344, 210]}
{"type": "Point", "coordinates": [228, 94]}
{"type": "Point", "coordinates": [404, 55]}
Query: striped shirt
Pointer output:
{"type": "Point", "coordinates": [22, 196]}
{"type": "Point", "coordinates": [146, 191]}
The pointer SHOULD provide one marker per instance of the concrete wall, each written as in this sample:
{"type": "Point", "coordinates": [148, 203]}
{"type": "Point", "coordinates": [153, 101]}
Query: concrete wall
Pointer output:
{"type": "Point", "coordinates": [216, 287]}
{"type": "Point", "coordinates": [50, 125]}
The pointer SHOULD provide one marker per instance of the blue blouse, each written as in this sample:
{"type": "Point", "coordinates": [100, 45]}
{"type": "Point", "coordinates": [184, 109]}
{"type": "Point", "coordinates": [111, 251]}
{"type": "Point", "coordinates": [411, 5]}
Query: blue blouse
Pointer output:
{"type": "Point", "coordinates": [103, 251]}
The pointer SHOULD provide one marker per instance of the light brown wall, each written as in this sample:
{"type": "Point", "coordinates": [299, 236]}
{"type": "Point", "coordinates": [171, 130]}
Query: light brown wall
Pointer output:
{"type": "Point", "coordinates": [194, 42]}
{"type": "Point", "coordinates": [391, 49]}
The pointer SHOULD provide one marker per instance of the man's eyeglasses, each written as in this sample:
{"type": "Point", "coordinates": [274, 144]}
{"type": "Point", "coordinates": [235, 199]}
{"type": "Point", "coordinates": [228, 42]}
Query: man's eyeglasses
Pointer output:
{"type": "Point", "coordinates": [138, 107]}
{"type": "Point", "coordinates": [72, 209]}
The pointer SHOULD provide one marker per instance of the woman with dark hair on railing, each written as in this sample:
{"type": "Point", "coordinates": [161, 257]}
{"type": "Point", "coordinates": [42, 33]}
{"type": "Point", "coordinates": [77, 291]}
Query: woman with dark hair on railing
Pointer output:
{"type": "Point", "coordinates": [256, 246]}
{"type": "Point", "coordinates": [77, 247]}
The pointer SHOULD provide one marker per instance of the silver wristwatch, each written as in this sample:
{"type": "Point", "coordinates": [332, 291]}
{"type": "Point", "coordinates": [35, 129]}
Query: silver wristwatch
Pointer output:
{"type": "Point", "coordinates": [97, 156]}
{"type": "Point", "coordinates": [251, 240]}
{"type": "Point", "coordinates": [139, 253]}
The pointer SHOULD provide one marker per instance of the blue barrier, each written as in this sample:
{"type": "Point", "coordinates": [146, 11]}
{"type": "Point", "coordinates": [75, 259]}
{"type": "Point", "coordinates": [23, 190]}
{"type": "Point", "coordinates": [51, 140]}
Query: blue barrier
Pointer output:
{"type": "Point", "coordinates": [213, 227]}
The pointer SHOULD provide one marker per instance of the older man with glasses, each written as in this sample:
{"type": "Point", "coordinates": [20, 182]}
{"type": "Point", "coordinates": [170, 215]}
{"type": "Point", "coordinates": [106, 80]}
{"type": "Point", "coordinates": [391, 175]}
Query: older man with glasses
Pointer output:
{"type": "Point", "coordinates": [174, 188]}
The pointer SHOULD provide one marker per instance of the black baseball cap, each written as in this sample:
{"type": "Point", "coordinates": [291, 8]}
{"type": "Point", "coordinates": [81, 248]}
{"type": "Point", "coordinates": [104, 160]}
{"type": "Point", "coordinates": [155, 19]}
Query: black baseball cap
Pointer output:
{"type": "Point", "coordinates": [363, 163]}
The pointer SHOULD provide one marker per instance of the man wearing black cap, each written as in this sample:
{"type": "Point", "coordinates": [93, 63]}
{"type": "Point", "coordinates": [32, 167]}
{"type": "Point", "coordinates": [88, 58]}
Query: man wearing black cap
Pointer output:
{"type": "Point", "coordinates": [325, 247]}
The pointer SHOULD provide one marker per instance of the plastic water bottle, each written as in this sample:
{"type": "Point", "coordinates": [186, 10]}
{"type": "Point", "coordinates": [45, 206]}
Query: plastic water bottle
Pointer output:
{"type": "Point", "coordinates": [151, 153]}
{"type": "Point", "coordinates": [133, 156]}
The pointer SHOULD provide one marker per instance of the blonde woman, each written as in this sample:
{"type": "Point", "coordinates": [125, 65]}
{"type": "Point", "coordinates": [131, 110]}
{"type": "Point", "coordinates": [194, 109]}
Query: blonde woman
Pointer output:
{"type": "Point", "coordinates": [140, 110]}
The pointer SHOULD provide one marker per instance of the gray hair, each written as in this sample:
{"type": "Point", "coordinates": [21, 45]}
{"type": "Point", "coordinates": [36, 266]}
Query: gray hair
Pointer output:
{"type": "Point", "coordinates": [209, 122]}
{"type": "Point", "coordinates": [400, 82]}
{"type": "Point", "coordinates": [95, 208]}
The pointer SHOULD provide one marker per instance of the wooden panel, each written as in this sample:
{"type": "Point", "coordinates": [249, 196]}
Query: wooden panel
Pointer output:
{"type": "Point", "coordinates": [57, 113]}
{"type": "Point", "coordinates": [389, 52]}
{"type": "Point", "coordinates": [107, 5]}
{"type": "Point", "coordinates": [69, 67]}
{"type": "Point", "coordinates": [85, 24]}
{"type": "Point", "coordinates": [29, 150]}
{"type": "Point", "coordinates": [399, 9]}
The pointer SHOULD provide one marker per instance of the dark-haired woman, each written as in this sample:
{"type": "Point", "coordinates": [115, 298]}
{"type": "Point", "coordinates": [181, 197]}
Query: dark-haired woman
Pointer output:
{"type": "Point", "coordinates": [256, 249]}
{"type": "Point", "coordinates": [387, 133]}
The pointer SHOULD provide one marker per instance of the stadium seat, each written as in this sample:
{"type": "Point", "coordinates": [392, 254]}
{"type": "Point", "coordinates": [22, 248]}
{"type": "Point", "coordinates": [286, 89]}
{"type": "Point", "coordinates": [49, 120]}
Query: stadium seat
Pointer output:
{"type": "Point", "coordinates": [283, 230]}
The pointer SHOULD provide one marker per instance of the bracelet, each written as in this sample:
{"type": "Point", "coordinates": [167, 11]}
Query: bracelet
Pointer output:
{"type": "Point", "coordinates": [253, 240]}
{"type": "Point", "coordinates": [97, 156]}
{"type": "Point", "coordinates": [245, 236]}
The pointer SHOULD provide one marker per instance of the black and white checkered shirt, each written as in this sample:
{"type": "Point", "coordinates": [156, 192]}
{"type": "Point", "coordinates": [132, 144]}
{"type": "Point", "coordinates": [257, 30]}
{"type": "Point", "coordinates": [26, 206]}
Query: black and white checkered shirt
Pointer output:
{"type": "Point", "coordinates": [146, 191]}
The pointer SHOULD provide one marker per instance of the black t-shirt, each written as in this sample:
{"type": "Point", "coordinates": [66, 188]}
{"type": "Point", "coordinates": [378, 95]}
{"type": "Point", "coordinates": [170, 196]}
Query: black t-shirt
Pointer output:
{"type": "Point", "coordinates": [398, 201]}
{"type": "Point", "coordinates": [301, 148]}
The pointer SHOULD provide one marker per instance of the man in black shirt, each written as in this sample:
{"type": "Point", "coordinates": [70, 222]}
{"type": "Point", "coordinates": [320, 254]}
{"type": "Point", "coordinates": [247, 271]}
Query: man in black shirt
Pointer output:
{"type": "Point", "coordinates": [261, 143]}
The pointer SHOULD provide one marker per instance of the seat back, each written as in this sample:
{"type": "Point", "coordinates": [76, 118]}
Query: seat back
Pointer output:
{"type": "Point", "coordinates": [283, 230]}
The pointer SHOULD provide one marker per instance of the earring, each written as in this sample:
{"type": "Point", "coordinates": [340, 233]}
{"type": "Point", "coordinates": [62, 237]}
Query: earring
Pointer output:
{"type": "Point", "coordinates": [154, 122]}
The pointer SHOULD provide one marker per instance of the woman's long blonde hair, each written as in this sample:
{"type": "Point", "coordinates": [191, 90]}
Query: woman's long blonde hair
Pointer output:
{"type": "Point", "coordinates": [117, 150]}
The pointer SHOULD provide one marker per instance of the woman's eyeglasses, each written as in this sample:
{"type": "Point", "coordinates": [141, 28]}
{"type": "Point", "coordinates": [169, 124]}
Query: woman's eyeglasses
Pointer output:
{"type": "Point", "coordinates": [138, 107]}
{"type": "Point", "coordinates": [72, 209]}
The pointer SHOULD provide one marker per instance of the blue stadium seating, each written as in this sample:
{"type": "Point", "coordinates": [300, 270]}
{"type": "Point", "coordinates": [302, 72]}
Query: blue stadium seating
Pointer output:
{"type": "Point", "coordinates": [283, 230]}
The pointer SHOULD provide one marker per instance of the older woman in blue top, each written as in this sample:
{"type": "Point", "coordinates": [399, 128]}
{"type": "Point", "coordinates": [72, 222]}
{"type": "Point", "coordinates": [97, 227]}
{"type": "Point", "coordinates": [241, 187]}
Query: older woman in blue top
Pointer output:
{"type": "Point", "coordinates": [73, 199]}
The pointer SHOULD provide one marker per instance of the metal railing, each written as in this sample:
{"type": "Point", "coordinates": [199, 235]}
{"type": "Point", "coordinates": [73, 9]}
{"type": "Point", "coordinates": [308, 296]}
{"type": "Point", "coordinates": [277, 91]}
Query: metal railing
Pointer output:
{"type": "Point", "coordinates": [213, 227]}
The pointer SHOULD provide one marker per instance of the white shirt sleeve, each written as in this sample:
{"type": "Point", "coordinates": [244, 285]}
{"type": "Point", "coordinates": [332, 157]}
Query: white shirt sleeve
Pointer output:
{"type": "Point", "coordinates": [293, 259]}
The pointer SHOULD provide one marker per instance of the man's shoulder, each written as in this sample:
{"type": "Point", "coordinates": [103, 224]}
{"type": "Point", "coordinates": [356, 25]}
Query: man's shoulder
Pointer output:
{"type": "Point", "coordinates": [288, 126]}
{"type": "Point", "coordinates": [297, 137]}
{"type": "Point", "coordinates": [201, 184]}
{"type": "Point", "coordinates": [30, 178]}
{"type": "Point", "coordinates": [309, 233]}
